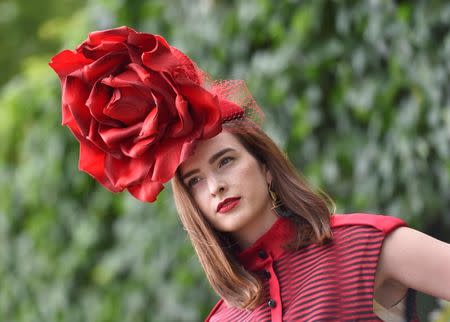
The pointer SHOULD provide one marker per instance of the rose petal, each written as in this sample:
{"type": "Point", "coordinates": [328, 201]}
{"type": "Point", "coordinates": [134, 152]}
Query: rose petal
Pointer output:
{"type": "Point", "coordinates": [74, 96]}
{"type": "Point", "coordinates": [128, 105]}
{"type": "Point", "coordinates": [73, 126]}
{"type": "Point", "coordinates": [184, 124]}
{"type": "Point", "coordinates": [164, 90]}
{"type": "Point", "coordinates": [151, 124]}
{"type": "Point", "coordinates": [141, 72]}
{"type": "Point", "coordinates": [98, 51]}
{"type": "Point", "coordinates": [67, 116]}
{"type": "Point", "coordinates": [92, 161]}
{"type": "Point", "coordinates": [147, 191]}
{"type": "Point", "coordinates": [143, 41]}
{"type": "Point", "coordinates": [151, 79]}
{"type": "Point", "coordinates": [104, 66]}
{"type": "Point", "coordinates": [119, 34]}
{"type": "Point", "coordinates": [136, 149]}
{"type": "Point", "coordinates": [95, 139]}
{"type": "Point", "coordinates": [68, 61]}
{"type": "Point", "coordinates": [112, 136]}
{"type": "Point", "coordinates": [157, 84]}
{"type": "Point", "coordinates": [204, 106]}
{"type": "Point", "coordinates": [160, 58]}
{"type": "Point", "coordinates": [168, 157]}
{"type": "Point", "coordinates": [98, 99]}
{"type": "Point", "coordinates": [135, 55]}
{"type": "Point", "coordinates": [123, 172]}
{"type": "Point", "coordinates": [126, 78]}
{"type": "Point", "coordinates": [148, 83]}
{"type": "Point", "coordinates": [162, 41]}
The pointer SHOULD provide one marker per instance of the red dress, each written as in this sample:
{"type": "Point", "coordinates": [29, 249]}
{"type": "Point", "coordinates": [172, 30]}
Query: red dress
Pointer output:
{"type": "Point", "coordinates": [331, 282]}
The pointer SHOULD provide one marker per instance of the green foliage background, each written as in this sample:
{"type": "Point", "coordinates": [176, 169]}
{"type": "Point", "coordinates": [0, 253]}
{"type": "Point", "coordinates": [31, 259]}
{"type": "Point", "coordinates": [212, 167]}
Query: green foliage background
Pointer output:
{"type": "Point", "coordinates": [357, 92]}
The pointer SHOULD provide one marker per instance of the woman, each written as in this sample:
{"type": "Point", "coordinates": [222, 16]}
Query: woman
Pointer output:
{"type": "Point", "coordinates": [271, 248]}
{"type": "Point", "coordinates": [231, 212]}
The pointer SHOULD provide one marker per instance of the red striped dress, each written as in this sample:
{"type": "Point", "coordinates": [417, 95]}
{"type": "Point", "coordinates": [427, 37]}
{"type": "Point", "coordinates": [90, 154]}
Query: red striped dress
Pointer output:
{"type": "Point", "coordinates": [332, 282]}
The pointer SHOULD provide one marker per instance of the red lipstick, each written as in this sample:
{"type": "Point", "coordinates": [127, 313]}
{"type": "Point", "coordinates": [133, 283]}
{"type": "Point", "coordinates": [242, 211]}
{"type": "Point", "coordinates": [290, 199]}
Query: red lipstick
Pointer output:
{"type": "Point", "coordinates": [227, 204]}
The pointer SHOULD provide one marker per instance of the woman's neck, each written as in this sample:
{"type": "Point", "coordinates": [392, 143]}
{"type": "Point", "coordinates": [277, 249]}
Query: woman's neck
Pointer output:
{"type": "Point", "coordinates": [249, 234]}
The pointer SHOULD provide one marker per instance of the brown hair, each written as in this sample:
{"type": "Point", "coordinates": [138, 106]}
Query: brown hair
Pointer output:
{"type": "Point", "coordinates": [309, 211]}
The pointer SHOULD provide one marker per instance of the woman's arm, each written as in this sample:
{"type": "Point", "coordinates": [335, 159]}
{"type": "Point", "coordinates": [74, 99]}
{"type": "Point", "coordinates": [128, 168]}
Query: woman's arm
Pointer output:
{"type": "Point", "coordinates": [416, 260]}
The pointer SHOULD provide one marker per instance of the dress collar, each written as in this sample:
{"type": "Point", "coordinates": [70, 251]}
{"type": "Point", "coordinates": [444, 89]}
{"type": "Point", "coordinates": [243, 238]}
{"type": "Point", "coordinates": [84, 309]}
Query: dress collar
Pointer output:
{"type": "Point", "coordinates": [269, 247]}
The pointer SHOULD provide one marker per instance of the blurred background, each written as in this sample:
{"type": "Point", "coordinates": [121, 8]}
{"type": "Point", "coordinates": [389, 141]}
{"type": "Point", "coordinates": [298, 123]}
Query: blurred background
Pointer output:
{"type": "Point", "coordinates": [356, 92]}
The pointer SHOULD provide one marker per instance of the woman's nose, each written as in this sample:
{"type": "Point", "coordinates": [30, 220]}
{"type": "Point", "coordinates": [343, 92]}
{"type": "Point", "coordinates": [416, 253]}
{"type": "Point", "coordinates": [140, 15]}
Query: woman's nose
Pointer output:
{"type": "Point", "coordinates": [216, 186]}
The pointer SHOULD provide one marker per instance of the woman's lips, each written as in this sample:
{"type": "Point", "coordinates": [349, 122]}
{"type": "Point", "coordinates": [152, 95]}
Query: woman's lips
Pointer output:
{"type": "Point", "coordinates": [228, 204]}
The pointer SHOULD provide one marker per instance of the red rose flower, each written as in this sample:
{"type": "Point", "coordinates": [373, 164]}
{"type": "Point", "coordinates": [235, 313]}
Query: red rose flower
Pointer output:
{"type": "Point", "coordinates": [136, 105]}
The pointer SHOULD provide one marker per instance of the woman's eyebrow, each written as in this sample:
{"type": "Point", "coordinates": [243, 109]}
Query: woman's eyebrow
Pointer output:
{"type": "Point", "coordinates": [219, 154]}
{"type": "Point", "coordinates": [211, 161]}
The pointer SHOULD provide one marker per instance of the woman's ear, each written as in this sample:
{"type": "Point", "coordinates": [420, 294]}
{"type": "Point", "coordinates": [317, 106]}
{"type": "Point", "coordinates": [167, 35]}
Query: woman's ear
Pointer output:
{"type": "Point", "coordinates": [269, 177]}
{"type": "Point", "coordinates": [266, 172]}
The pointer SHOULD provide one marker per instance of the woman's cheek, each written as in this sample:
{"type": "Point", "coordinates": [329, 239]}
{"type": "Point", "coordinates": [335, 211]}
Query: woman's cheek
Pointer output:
{"type": "Point", "coordinates": [198, 192]}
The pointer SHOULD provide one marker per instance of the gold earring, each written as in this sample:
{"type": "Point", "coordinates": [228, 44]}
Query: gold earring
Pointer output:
{"type": "Point", "coordinates": [276, 202]}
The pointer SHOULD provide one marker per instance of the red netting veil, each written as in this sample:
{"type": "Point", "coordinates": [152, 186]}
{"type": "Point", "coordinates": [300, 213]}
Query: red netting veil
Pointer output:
{"type": "Point", "coordinates": [137, 106]}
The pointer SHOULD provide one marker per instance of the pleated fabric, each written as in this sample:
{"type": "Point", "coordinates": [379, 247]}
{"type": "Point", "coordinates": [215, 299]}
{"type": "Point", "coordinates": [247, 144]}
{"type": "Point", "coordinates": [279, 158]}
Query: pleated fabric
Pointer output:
{"type": "Point", "coordinates": [331, 282]}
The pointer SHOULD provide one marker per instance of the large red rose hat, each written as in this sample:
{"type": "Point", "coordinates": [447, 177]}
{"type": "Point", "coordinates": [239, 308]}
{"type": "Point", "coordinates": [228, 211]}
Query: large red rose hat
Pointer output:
{"type": "Point", "coordinates": [137, 106]}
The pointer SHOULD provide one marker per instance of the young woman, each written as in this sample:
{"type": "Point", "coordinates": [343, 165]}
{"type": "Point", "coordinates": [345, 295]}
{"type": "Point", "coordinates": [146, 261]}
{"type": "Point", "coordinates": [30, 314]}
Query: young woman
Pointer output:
{"type": "Point", "coordinates": [271, 247]}
{"type": "Point", "coordinates": [242, 202]}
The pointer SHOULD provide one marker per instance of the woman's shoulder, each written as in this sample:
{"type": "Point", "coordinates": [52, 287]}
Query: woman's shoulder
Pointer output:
{"type": "Point", "coordinates": [384, 223]}
{"type": "Point", "coordinates": [214, 310]}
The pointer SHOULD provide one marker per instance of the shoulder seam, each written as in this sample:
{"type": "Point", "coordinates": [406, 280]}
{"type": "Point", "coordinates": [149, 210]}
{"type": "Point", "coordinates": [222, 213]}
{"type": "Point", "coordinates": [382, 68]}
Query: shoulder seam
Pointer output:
{"type": "Point", "coordinates": [384, 223]}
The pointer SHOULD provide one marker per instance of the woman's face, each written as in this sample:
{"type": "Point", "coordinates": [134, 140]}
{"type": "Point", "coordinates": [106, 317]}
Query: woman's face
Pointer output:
{"type": "Point", "coordinates": [230, 187]}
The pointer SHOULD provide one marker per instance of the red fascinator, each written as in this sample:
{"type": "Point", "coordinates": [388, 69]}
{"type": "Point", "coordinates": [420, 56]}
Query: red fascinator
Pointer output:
{"type": "Point", "coordinates": [137, 106]}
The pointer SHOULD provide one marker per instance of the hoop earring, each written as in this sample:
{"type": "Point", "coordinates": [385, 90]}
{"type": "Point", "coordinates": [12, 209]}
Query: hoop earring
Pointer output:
{"type": "Point", "coordinates": [276, 202]}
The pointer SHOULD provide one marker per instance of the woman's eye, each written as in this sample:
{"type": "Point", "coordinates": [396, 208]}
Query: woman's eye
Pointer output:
{"type": "Point", "coordinates": [225, 161]}
{"type": "Point", "coordinates": [193, 181]}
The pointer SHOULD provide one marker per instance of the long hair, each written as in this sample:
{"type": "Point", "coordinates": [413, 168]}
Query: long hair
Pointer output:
{"type": "Point", "coordinates": [309, 211]}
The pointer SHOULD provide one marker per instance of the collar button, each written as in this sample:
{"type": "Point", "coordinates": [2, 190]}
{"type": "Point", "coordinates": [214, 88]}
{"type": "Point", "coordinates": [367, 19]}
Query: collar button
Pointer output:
{"type": "Point", "coordinates": [266, 274]}
{"type": "Point", "coordinates": [271, 303]}
{"type": "Point", "coordinates": [262, 254]}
